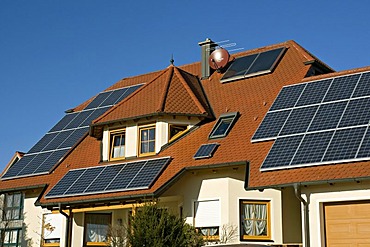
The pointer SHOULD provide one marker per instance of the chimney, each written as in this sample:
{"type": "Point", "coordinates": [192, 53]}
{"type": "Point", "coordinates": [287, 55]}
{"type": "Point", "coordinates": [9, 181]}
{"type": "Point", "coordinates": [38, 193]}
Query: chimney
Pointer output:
{"type": "Point", "coordinates": [207, 47]}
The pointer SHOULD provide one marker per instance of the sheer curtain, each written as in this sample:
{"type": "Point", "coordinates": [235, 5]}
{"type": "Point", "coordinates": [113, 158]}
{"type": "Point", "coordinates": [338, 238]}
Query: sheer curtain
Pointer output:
{"type": "Point", "coordinates": [255, 219]}
{"type": "Point", "coordinates": [97, 227]}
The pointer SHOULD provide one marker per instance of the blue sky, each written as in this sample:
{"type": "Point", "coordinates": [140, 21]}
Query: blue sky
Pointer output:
{"type": "Point", "coordinates": [56, 54]}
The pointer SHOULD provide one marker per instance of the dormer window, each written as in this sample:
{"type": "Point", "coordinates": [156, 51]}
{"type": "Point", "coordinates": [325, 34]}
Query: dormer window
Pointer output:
{"type": "Point", "coordinates": [147, 140]}
{"type": "Point", "coordinates": [223, 125]}
{"type": "Point", "coordinates": [117, 144]}
{"type": "Point", "coordinates": [176, 131]}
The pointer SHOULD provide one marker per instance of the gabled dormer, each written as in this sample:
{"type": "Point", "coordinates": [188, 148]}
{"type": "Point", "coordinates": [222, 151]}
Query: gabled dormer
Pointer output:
{"type": "Point", "coordinates": [158, 113]}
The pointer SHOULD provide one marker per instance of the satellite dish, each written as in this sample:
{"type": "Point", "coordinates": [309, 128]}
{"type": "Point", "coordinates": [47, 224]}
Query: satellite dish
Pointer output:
{"type": "Point", "coordinates": [219, 58]}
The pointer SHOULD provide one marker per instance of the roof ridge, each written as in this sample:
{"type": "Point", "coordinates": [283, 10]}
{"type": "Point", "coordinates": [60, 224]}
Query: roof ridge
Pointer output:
{"type": "Point", "coordinates": [190, 91]}
{"type": "Point", "coordinates": [166, 89]}
{"type": "Point", "coordinates": [128, 98]}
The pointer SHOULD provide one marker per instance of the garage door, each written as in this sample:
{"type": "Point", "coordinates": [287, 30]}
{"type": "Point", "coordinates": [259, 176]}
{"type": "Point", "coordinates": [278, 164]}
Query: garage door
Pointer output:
{"type": "Point", "coordinates": [347, 225]}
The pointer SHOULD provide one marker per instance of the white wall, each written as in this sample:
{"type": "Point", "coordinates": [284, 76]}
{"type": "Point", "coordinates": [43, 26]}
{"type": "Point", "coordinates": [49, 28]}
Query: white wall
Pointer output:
{"type": "Point", "coordinates": [32, 221]}
{"type": "Point", "coordinates": [33, 217]}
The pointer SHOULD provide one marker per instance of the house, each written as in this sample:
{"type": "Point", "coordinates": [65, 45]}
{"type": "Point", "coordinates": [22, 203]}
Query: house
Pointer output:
{"type": "Point", "coordinates": [208, 141]}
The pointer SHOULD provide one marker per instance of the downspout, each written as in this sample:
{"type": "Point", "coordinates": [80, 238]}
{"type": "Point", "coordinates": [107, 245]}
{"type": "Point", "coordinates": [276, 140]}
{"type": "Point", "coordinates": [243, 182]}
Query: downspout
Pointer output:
{"type": "Point", "coordinates": [68, 227]}
{"type": "Point", "coordinates": [297, 192]}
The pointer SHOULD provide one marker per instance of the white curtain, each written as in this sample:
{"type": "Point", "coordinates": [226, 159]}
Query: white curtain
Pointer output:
{"type": "Point", "coordinates": [97, 227]}
{"type": "Point", "coordinates": [255, 219]}
{"type": "Point", "coordinates": [248, 222]}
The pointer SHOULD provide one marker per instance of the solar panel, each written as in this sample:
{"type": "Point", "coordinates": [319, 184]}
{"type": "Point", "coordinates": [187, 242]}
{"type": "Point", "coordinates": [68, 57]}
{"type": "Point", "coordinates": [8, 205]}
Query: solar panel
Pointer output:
{"type": "Point", "coordinates": [328, 116]}
{"type": "Point", "coordinates": [282, 152]}
{"type": "Point", "coordinates": [327, 123]}
{"type": "Point", "coordinates": [251, 65]}
{"type": "Point", "coordinates": [312, 148]}
{"type": "Point", "coordinates": [104, 178]}
{"type": "Point", "coordinates": [364, 150]}
{"type": "Point", "coordinates": [357, 113]}
{"type": "Point", "coordinates": [49, 150]}
{"type": "Point", "coordinates": [288, 97]}
{"type": "Point", "coordinates": [65, 183]}
{"type": "Point", "coordinates": [341, 88]}
{"type": "Point", "coordinates": [271, 125]}
{"type": "Point", "coordinates": [125, 176]}
{"type": "Point", "coordinates": [206, 151]}
{"type": "Point", "coordinates": [78, 186]}
{"type": "Point", "coordinates": [110, 178]}
{"type": "Point", "coordinates": [314, 92]}
{"type": "Point", "coordinates": [345, 144]}
{"type": "Point", "coordinates": [299, 120]}
{"type": "Point", "coordinates": [362, 88]}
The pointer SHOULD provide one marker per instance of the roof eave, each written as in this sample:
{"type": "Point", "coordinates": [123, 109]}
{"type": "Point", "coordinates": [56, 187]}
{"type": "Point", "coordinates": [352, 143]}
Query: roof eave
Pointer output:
{"type": "Point", "coordinates": [129, 198]}
{"type": "Point", "coordinates": [308, 183]}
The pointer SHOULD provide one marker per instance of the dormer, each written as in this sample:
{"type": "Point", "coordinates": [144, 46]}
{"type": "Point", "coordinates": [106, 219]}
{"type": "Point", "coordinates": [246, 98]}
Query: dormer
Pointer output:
{"type": "Point", "coordinates": [157, 114]}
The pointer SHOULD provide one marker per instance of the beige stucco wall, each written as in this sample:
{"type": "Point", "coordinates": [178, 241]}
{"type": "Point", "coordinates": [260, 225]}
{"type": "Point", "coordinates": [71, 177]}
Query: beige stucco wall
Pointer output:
{"type": "Point", "coordinates": [337, 192]}
{"type": "Point", "coordinates": [78, 229]}
{"type": "Point", "coordinates": [291, 216]}
{"type": "Point", "coordinates": [227, 185]}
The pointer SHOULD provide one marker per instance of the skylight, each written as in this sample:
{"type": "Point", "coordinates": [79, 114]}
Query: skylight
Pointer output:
{"type": "Point", "coordinates": [223, 125]}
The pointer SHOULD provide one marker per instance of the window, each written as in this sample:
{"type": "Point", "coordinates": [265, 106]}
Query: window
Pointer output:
{"type": "Point", "coordinates": [12, 237]}
{"type": "Point", "coordinates": [147, 140]}
{"type": "Point", "coordinates": [176, 131]}
{"type": "Point", "coordinates": [255, 219]}
{"type": "Point", "coordinates": [13, 209]}
{"type": "Point", "coordinates": [223, 125]}
{"type": "Point", "coordinates": [96, 229]}
{"type": "Point", "coordinates": [117, 145]}
{"type": "Point", "coordinates": [207, 218]}
{"type": "Point", "coordinates": [52, 229]}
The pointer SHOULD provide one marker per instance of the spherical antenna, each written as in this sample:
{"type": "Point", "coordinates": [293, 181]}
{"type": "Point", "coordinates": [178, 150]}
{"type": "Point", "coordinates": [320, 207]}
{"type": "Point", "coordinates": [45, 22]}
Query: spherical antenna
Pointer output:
{"type": "Point", "coordinates": [219, 58]}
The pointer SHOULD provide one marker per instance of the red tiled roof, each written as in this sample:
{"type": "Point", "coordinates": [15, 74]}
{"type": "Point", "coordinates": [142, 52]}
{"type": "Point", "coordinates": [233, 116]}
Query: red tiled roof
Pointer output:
{"type": "Point", "coordinates": [178, 91]}
{"type": "Point", "coordinates": [172, 92]}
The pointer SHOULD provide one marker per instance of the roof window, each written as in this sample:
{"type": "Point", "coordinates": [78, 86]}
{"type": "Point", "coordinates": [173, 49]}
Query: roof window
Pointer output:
{"type": "Point", "coordinates": [223, 125]}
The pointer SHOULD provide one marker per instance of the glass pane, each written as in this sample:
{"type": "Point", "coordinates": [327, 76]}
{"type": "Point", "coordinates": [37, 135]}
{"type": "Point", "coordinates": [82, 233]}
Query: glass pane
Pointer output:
{"type": "Point", "coordinates": [144, 147]}
{"type": "Point", "coordinates": [239, 67]}
{"type": "Point", "coordinates": [15, 214]}
{"type": "Point", "coordinates": [122, 151]}
{"type": "Point", "coordinates": [20, 237]}
{"type": "Point", "coordinates": [8, 214]}
{"type": "Point", "coordinates": [122, 140]}
{"type": "Point", "coordinates": [17, 200]}
{"type": "Point", "coordinates": [6, 237]}
{"type": "Point", "coordinates": [97, 227]}
{"type": "Point", "coordinates": [152, 134]}
{"type": "Point", "coordinates": [117, 140]}
{"type": "Point", "coordinates": [13, 236]}
{"type": "Point", "coordinates": [144, 135]}
{"type": "Point", "coordinates": [151, 146]}
{"type": "Point", "coordinates": [254, 219]}
{"type": "Point", "coordinates": [222, 127]}
{"type": "Point", "coordinates": [9, 200]}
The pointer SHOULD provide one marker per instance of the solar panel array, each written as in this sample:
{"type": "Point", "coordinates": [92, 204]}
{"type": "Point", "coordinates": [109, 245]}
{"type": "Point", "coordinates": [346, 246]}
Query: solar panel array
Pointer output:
{"type": "Point", "coordinates": [206, 151]}
{"type": "Point", "coordinates": [111, 178]}
{"type": "Point", "coordinates": [318, 122]}
{"type": "Point", "coordinates": [52, 147]}
{"type": "Point", "coordinates": [252, 65]}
